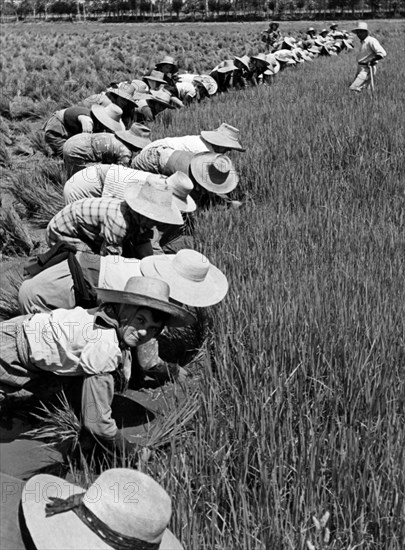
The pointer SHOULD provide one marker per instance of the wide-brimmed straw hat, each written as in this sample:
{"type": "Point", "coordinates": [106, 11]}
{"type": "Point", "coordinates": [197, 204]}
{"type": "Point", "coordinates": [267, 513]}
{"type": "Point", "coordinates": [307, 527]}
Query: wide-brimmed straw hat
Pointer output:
{"type": "Point", "coordinates": [285, 56]}
{"type": "Point", "coordinates": [163, 97]}
{"type": "Point", "coordinates": [153, 200]}
{"type": "Point", "coordinates": [242, 62]}
{"type": "Point", "coordinates": [324, 31]}
{"type": "Point", "coordinates": [361, 26]}
{"type": "Point", "coordinates": [122, 507]}
{"type": "Point", "coordinates": [224, 136]}
{"type": "Point", "coordinates": [137, 135]}
{"type": "Point", "coordinates": [168, 60]}
{"type": "Point", "coordinates": [261, 57]}
{"type": "Point", "coordinates": [125, 90]}
{"type": "Point", "coordinates": [157, 76]}
{"type": "Point", "coordinates": [193, 280]}
{"type": "Point", "coordinates": [181, 186]}
{"type": "Point", "coordinates": [109, 116]}
{"type": "Point", "coordinates": [226, 66]}
{"type": "Point", "coordinates": [208, 82]}
{"type": "Point", "coordinates": [212, 171]}
{"type": "Point", "coordinates": [148, 292]}
{"type": "Point", "coordinates": [274, 65]}
{"type": "Point", "coordinates": [333, 26]}
{"type": "Point", "coordinates": [288, 42]}
{"type": "Point", "coordinates": [140, 86]}
{"type": "Point", "coordinates": [311, 29]}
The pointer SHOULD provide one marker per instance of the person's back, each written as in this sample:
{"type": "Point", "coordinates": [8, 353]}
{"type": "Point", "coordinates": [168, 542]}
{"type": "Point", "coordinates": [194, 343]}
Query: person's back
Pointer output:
{"type": "Point", "coordinates": [84, 149]}
{"type": "Point", "coordinates": [90, 223]}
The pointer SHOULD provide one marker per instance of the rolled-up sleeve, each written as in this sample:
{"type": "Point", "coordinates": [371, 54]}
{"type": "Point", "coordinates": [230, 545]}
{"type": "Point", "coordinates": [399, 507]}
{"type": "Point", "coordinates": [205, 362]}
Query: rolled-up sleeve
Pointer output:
{"type": "Point", "coordinates": [97, 396]}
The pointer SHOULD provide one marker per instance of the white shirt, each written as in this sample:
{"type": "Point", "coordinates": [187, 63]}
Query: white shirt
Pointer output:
{"type": "Point", "coordinates": [116, 270]}
{"type": "Point", "coordinates": [193, 144]}
{"type": "Point", "coordinates": [186, 89]}
{"type": "Point", "coordinates": [369, 48]}
{"type": "Point", "coordinates": [118, 177]}
{"type": "Point", "coordinates": [65, 342]}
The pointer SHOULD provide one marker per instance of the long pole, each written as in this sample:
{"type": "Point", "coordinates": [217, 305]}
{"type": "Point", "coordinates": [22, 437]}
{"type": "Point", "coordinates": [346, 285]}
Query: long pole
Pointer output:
{"type": "Point", "coordinates": [371, 79]}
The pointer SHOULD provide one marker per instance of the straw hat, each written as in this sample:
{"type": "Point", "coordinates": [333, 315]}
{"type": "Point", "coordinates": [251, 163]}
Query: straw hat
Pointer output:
{"type": "Point", "coordinates": [212, 171]}
{"type": "Point", "coordinates": [163, 97]}
{"type": "Point", "coordinates": [242, 62]}
{"type": "Point", "coordinates": [193, 280]}
{"type": "Point", "coordinates": [274, 65]}
{"type": "Point", "coordinates": [181, 186]}
{"type": "Point", "coordinates": [137, 135]}
{"type": "Point", "coordinates": [324, 31]}
{"type": "Point", "coordinates": [224, 136]}
{"type": "Point", "coordinates": [285, 56]}
{"type": "Point", "coordinates": [333, 26]}
{"type": "Point", "coordinates": [109, 116]}
{"type": "Point", "coordinates": [226, 66]}
{"type": "Point", "coordinates": [208, 82]}
{"type": "Point", "coordinates": [153, 200]}
{"type": "Point", "coordinates": [167, 60]}
{"type": "Point", "coordinates": [125, 91]}
{"type": "Point", "coordinates": [311, 29]}
{"type": "Point", "coordinates": [120, 503]}
{"type": "Point", "coordinates": [288, 42]}
{"type": "Point", "coordinates": [148, 292]}
{"type": "Point", "coordinates": [157, 76]}
{"type": "Point", "coordinates": [260, 57]}
{"type": "Point", "coordinates": [361, 26]}
{"type": "Point", "coordinates": [140, 86]}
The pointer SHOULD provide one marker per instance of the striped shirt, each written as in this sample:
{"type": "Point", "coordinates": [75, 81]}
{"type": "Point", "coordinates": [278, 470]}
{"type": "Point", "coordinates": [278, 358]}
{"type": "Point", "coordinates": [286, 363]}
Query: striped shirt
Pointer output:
{"type": "Point", "coordinates": [103, 224]}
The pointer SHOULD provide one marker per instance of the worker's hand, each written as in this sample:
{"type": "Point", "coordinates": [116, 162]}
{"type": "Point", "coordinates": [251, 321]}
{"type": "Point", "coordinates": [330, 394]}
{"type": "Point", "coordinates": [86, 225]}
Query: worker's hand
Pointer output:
{"type": "Point", "coordinates": [87, 123]}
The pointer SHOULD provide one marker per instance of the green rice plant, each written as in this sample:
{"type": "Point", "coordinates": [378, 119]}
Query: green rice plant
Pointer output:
{"type": "Point", "coordinates": [59, 426]}
{"type": "Point", "coordinates": [15, 239]}
{"type": "Point", "coordinates": [9, 306]}
{"type": "Point", "coordinates": [40, 191]}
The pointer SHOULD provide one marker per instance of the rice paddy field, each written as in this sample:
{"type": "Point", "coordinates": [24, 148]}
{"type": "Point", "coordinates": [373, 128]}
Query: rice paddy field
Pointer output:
{"type": "Point", "coordinates": [299, 438]}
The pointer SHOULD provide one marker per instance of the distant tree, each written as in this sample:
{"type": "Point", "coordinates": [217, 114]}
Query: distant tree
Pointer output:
{"type": "Point", "coordinates": [177, 6]}
{"type": "Point", "coordinates": [145, 6]}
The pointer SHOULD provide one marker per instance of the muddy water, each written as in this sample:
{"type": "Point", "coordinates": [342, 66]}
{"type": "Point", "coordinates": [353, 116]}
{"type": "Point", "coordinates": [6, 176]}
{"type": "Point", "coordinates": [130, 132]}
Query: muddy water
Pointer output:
{"type": "Point", "coordinates": [21, 457]}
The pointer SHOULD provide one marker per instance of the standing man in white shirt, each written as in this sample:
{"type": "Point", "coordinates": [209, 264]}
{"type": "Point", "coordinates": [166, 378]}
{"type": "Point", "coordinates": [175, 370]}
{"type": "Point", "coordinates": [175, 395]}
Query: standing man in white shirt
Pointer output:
{"type": "Point", "coordinates": [369, 54]}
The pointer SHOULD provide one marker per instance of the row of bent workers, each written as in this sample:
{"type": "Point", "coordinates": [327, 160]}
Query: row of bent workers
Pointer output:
{"type": "Point", "coordinates": [120, 269]}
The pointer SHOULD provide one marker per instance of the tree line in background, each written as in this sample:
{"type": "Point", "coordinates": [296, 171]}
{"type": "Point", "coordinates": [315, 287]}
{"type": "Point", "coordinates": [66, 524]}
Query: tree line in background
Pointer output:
{"type": "Point", "coordinates": [197, 9]}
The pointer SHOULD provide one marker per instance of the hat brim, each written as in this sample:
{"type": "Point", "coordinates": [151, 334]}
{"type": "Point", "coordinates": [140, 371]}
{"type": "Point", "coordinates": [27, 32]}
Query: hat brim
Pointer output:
{"type": "Point", "coordinates": [210, 84]}
{"type": "Point", "coordinates": [123, 95]}
{"type": "Point", "coordinates": [194, 294]}
{"type": "Point", "coordinates": [175, 67]}
{"type": "Point", "coordinates": [263, 61]}
{"type": "Point", "coordinates": [359, 30]}
{"type": "Point", "coordinates": [128, 137]}
{"type": "Point", "coordinates": [162, 102]}
{"type": "Point", "coordinates": [65, 531]}
{"type": "Point", "coordinates": [100, 114]}
{"type": "Point", "coordinates": [224, 70]}
{"type": "Point", "coordinates": [216, 138]}
{"type": "Point", "coordinates": [244, 65]}
{"type": "Point", "coordinates": [273, 69]}
{"type": "Point", "coordinates": [201, 176]}
{"type": "Point", "coordinates": [179, 317]}
{"type": "Point", "coordinates": [159, 214]}
{"type": "Point", "coordinates": [160, 80]}
{"type": "Point", "coordinates": [187, 205]}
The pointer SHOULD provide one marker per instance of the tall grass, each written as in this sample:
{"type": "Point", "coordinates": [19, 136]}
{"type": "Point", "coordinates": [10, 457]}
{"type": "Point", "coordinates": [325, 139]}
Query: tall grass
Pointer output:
{"type": "Point", "coordinates": [302, 402]}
